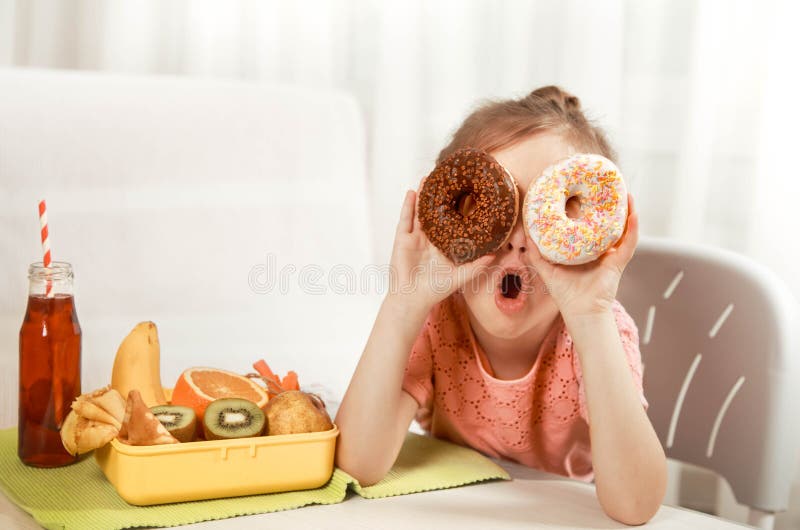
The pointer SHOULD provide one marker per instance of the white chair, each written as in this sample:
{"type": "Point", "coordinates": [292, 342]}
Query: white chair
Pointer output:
{"type": "Point", "coordinates": [187, 202]}
{"type": "Point", "coordinates": [719, 340]}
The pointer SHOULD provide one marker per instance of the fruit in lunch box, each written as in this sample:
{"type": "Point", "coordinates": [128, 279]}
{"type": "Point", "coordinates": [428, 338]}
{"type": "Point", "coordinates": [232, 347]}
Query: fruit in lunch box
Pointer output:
{"type": "Point", "coordinates": [180, 422]}
{"type": "Point", "coordinates": [138, 365]}
{"type": "Point", "coordinates": [140, 426]}
{"type": "Point", "coordinates": [233, 418]}
{"type": "Point", "coordinates": [198, 387]}
{"type": "Point", "coordinates": [295, 411]}
{"type": "Point", "coordinates": [95, 420]}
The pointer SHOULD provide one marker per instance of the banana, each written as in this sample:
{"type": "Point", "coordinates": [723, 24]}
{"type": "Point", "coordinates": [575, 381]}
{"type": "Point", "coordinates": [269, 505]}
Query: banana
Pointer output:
{"type": "Point", "coordinates": [138, 365]}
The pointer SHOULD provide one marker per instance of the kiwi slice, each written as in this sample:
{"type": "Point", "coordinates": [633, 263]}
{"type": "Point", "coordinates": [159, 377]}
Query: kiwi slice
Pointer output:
{"type": "Point", "coordinates": [228, 418]}
{"type": "Point", "coordinates": [181, 422]}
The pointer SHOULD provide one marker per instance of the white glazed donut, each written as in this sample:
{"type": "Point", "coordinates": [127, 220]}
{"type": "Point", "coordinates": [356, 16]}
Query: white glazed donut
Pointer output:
{"type": "Point", "coordinates": [597, 183]}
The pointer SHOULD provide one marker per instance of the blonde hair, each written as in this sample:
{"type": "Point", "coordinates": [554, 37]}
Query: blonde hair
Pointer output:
{"type": "Point", "coordinates": [499, 124]}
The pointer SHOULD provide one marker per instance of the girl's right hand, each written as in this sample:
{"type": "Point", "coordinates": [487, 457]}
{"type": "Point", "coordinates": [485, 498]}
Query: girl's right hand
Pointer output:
{"type": "Point", "coordinates": [420, 274]}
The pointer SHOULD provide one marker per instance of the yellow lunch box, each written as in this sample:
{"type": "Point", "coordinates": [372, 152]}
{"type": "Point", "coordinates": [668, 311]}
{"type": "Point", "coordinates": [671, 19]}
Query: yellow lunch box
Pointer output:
{"type": "Point", "coordinates": [157, 474]}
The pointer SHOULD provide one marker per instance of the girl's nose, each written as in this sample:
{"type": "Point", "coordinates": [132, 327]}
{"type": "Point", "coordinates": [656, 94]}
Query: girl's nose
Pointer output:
{"type": "Point", "coordinates": [517, 242]}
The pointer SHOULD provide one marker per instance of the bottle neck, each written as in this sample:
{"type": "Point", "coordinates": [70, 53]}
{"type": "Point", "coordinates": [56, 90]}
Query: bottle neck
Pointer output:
{"type": "Point", "coordinates": [59, 275]}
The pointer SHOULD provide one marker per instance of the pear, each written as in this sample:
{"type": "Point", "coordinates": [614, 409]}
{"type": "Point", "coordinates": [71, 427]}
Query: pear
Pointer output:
{"type": "Point", "coordinates": [295, 411]}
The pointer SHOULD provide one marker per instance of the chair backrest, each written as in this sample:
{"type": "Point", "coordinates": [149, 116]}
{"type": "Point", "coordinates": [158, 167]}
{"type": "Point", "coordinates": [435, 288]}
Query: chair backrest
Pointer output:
{"type": "Point", "coordinates": [718, 336]}
{"type": "Point", "coordinates": [217, 209]}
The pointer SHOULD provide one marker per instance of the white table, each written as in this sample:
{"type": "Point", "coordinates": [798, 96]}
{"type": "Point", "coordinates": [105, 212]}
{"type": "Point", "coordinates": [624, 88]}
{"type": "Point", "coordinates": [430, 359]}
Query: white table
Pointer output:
{"type": "Point", "coordinates": [531, 500]}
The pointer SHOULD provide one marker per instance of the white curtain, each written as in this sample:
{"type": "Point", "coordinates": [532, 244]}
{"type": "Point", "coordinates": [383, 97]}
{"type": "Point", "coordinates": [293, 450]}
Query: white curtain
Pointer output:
{"type": "Point", "coordinates": [699, 97]}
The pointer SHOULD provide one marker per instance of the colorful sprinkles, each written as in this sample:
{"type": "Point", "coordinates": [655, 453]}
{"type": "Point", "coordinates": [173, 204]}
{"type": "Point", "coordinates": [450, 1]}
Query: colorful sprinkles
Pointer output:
{"type": "Point", "coordinates": [598, 184]}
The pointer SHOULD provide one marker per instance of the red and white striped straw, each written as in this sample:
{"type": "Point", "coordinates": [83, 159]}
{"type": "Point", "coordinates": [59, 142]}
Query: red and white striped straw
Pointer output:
{"type": "Point", "coordinates": [45, 245]}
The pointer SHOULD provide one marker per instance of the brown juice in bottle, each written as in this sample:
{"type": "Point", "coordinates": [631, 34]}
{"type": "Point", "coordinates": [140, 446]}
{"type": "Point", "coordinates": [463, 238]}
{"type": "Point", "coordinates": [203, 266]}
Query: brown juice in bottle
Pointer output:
{"type": "Point", "coordinates": [49, 366]}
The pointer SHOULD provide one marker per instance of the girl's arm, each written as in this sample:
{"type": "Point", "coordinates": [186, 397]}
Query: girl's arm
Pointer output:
{"type": "Point", "coordinates": [629, 463]}
{"type": "Point", "coordinates": [628, 460]}
{"type": "Point", "coordinates": [375, 412]}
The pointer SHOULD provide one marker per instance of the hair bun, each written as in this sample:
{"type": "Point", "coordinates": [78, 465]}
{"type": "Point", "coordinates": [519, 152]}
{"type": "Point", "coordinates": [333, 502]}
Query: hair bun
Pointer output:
{"type": "Point", "coordinates": [558, 98]}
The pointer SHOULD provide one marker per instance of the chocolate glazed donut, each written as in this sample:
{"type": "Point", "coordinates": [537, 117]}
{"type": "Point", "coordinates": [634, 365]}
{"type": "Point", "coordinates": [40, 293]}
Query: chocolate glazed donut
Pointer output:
{"type": "Point", "coordinates": [468, 205]}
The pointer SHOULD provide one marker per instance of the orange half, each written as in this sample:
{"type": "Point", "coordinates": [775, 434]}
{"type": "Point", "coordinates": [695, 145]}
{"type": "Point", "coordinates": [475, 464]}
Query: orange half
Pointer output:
{"type": "Point", "coordinates": [197, 387]}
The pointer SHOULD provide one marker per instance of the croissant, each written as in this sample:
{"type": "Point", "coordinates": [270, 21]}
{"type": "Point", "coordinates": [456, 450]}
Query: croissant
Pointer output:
{"type": "Point", "coordinates": [95, 419]}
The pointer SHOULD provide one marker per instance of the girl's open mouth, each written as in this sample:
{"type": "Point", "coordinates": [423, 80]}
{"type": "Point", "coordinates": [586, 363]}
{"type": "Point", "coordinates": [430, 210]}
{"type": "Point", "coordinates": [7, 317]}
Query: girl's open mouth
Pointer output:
{"type": "Point", "coordinates": [511, 285]}
{"type": "Point", "coordinates": [510, 295]}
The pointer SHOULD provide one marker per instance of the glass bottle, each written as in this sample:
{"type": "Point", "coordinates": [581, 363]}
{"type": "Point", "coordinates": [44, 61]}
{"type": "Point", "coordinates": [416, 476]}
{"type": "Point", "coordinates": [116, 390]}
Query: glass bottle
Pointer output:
{"type": "Point", "coordinates": [49, 365]}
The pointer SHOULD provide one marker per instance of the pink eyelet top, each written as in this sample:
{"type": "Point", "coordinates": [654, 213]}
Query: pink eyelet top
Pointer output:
{"type": "Point", "coordinates": [539, 420]}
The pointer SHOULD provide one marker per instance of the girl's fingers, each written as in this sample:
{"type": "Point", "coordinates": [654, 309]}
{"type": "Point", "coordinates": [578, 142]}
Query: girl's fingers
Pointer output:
{"type": "Point", "coordinates": [630, 240]}
{"type": "Point", "coordinates": [468, 268]}
{"type": "Point", "coordinates": [406, 223]}
{"type": "Point", "coordinates": [473, 266]}
{"type": "Point", "coordinates": [537, 261]}
{"type": "Point", "coordinates": [416, 226]}
{"type": "Point", "coordinates": [627, 221]}
{"type": "Point", "coordinates": [469, 272]}
{"type": "Point", "coordinates": [623, 250]}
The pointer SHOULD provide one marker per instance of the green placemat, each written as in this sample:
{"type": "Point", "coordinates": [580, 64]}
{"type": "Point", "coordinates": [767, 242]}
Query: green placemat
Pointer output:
{"type": "Point", "coordinates": [426, 464]}
{"type": "Point", "coordinates": [79, 496]}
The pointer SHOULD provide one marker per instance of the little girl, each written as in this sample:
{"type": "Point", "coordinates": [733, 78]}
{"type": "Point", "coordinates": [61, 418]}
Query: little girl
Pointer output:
{"type": "Point", "coordinates": [543, 369]}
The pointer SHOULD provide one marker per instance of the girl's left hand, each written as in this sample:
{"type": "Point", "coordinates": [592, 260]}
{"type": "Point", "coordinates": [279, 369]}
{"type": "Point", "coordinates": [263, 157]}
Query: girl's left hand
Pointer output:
{"type": "Point", "coordinates": [592, 287]}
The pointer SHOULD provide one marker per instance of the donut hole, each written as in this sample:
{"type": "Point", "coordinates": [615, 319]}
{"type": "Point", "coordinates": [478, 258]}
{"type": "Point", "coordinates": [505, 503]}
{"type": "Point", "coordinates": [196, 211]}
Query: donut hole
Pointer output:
{"type": "Point", "coordinates": [573, 207]}
{"type": "Point", "coordinates": [466, 204]}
